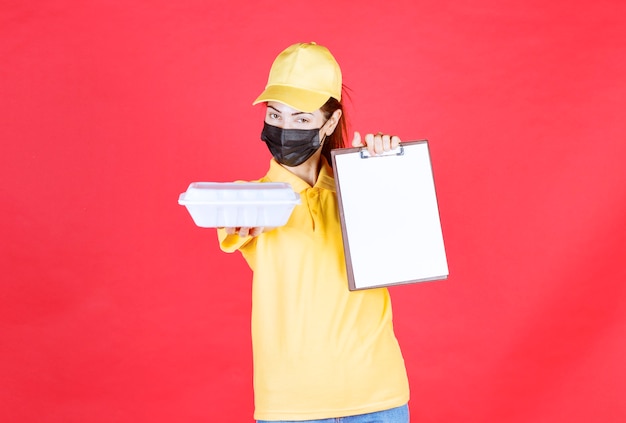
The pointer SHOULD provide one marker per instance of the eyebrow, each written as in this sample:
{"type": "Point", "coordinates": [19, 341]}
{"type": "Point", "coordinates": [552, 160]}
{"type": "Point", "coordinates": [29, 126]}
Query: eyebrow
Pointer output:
{"type": "Point", "coordinates": [293, 114]}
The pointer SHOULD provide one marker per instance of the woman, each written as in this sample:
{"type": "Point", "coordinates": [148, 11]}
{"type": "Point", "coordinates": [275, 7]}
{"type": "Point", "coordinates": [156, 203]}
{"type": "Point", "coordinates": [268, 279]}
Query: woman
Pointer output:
{"type": "Point", "coordinates": [320, 351]}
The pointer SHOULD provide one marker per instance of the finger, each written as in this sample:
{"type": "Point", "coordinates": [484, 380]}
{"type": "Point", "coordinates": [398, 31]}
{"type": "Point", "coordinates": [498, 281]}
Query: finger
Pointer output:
{"type": "Point", "coordinates": [378, 143]}
{"type": "Point", "coordinates": [243, 232]}
{"type": "Point", "coordinates": [370, 142]}
{"type": "Point", "coordinates": [395, 142]}
{"type": "Point", "coordinates": [256, 231]}
{"type": "Point", "coordinates": [230, 231]}
{"type": "Point", "coordinates": [386, 141]}
{"type": "Point", "coordinates": [356, 141]}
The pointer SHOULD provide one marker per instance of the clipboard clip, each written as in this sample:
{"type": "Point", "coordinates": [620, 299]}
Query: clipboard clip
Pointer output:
{"type": "Point", "coordinates": [365, 154]}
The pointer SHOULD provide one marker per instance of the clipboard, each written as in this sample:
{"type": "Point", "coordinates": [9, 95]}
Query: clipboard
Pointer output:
{"type": "Point", "coordinates": [389, 216]}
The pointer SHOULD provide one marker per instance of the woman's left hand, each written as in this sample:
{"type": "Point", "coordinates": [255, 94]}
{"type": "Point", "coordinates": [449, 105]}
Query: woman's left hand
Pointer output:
{"type": "Point", "coordinates": [376, 143]}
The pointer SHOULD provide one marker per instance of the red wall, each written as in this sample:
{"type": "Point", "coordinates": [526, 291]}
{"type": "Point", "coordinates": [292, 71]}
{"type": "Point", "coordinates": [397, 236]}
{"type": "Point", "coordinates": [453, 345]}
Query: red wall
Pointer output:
{"type": "Point", "coordinates": [116, 308]}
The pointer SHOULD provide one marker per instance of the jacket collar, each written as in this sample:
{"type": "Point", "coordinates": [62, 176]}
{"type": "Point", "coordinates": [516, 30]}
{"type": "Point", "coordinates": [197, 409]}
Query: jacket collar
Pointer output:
{"type": "Point", "coordinates": [325, 179]}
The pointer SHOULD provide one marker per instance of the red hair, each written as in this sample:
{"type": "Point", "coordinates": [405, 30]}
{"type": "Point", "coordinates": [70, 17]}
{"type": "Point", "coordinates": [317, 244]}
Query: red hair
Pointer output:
{"type": "Point", "coordinates": [339, 136]}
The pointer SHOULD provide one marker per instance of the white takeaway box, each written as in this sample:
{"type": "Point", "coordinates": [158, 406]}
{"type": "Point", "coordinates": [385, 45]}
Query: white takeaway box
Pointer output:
{"type": "Point", "coordinates": [239, 204]}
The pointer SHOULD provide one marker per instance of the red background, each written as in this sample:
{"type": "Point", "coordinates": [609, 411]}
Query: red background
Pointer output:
{"type": "Point", "coordinates": [116, 308]}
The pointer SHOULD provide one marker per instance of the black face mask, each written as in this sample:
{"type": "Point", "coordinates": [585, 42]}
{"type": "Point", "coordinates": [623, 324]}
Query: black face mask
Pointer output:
{"type": "Point", "coordinates": [291, 147]}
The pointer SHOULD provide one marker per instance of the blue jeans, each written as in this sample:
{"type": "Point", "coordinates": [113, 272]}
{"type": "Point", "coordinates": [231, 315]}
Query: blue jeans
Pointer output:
{"type": "Point", "coordinates": [393, 415]}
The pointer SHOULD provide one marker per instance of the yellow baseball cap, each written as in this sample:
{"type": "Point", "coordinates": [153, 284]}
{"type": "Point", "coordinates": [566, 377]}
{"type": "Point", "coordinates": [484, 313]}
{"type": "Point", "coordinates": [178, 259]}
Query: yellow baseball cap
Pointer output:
{"type": "Point", "coordinates": [304, 76]}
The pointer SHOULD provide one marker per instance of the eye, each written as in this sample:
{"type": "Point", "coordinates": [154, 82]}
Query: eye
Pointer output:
{"type": "Point", "coordinates": [303, 120]}
{"type": "Point", "coordinates": [273, 115]}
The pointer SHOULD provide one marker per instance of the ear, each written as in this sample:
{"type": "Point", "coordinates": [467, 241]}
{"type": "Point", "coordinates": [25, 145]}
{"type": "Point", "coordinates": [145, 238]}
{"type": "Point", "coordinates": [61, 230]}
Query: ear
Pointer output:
{"type": "Point", "coordinates": [333, 121]}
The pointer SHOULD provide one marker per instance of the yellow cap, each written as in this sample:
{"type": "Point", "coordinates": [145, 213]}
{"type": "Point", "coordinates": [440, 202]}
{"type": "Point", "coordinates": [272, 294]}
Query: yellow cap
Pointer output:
{"type": "Point", "coordinates": [304, 76]}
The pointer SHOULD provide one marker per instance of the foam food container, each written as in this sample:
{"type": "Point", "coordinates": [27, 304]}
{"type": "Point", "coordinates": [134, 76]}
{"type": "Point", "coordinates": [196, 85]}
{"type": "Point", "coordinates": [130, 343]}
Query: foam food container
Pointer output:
{"type": "Point", "coordinates": [239, 204]}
